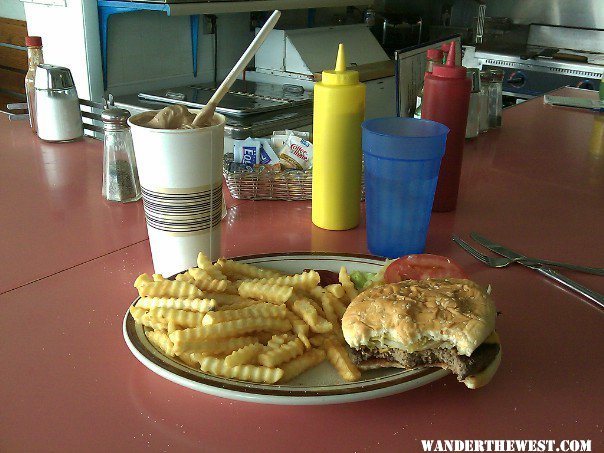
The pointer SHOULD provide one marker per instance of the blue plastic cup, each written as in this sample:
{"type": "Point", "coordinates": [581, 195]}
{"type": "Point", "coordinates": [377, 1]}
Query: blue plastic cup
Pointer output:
{"type": "Point", "coordinates": [402, 158]}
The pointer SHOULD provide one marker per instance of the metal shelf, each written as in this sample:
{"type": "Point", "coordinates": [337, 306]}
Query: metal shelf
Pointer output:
{"type": "Point", "coordinates": [185, 9]}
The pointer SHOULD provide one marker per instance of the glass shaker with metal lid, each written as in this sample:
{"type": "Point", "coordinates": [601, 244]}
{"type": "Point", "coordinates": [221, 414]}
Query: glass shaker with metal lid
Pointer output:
{"type": "Point", "coordinates": [492, 81]}
{"type": "Point", "coordinates": [473, 124]}
{"type": "Point", "coordinates": [120, 176]}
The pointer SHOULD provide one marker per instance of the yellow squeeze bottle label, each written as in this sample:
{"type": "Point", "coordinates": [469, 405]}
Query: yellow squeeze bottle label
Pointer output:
{"type": "Point", "coordinates": [339, 110]}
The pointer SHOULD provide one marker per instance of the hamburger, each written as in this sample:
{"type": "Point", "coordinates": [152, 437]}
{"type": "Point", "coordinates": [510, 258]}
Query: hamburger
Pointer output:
{"type": "Point", "coordinates": [440, 322]}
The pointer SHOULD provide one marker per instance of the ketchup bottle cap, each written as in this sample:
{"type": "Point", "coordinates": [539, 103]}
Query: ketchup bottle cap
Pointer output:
{"type": "Point", "coordinates": [435, 54]}
{"type": "Point", "coordinates": [449, 70]}
{"type": "Point", "coordinates": [33, 41]}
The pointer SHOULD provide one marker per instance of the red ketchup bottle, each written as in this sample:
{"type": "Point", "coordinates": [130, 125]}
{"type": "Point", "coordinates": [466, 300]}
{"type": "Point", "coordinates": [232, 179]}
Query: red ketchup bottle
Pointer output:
{"type": "Point", "coordinates": [446, 100]}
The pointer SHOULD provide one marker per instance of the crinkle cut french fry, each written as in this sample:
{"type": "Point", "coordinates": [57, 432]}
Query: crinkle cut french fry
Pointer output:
{"type": "Point", "coordinates": [184, 277]}
{"type": "Point", "coordinates": [262, 310]}
{"type": "Point", "coordinates": [198, 305]}
{"type": "Point", "coordinates": [305, 309]}
{"type": "Point", "coordinates": [186, 358]}
{"type": "Point", "coordinates": [230, 267]}
{"type": "Point", "coordinates": [331, 315]}
{"type": "Point", "coordinates": [137, 312]}
{"type": "Point", "coordinates": [182, 318]}
{"type": "Point", "coordinates": [299, 327]}
{"type": "Point", "coordinates": [158, 278]}
{"type": "Point", "coordinates": [203, 262]}
{"type": "Point", "coordinates": [248, 373]}
{"type": "Point", "coordinates": [299, 365]}
{"type": "Point", "coordinates": [347, 284]}
{"type": "Point", "coordinates": [220, 346]}
{"type": "Point", "coordinates": [279, 339]}
{"type": "Point", "coordinates": [142, 279]}
{"type": "Point", "coordinates": [244, 356]}
{"type": "Point", "coordinates": [205, 281]}
{"type": "Point", "coordinates": [141, 316]}
{"type": "Point", "coordinates": [336, 289]}
{"type": "Point", "coordinates": [269, 293]}
{"type": "Point", "coordinates": [240, 305]}
{"type": "Point", "coordinates": [169, 288]}
{"type": "Point", "coordinates": [305, 280]}
{"type": "Point", "coordinates": [284, 353]}
{"type": "Point", "coordinates": [230, 329]}
{"type": "Point", "coordinates": [339, 307]}
{"type": "Point", "coordinates": [317, 340]}
{"type": "Point", "coordinates": [161, 341]}
{"type": "Point", "coordinates": [339, 358]}
{"type": "Point", "coordinates": [223, 299]}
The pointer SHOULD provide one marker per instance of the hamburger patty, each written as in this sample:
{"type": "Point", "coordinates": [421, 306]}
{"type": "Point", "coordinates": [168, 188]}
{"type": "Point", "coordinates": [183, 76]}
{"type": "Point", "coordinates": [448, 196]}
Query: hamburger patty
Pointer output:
{"type": "Point", "coordinates": [461, 365]}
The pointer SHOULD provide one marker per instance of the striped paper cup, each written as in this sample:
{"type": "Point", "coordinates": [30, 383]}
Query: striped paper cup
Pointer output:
{"type": "Point", "coordinates": [180, 172]}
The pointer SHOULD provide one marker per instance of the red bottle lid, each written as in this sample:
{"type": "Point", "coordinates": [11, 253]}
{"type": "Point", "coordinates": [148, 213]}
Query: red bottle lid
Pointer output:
{"type": "Point", "coordinates": [435, 54]}
{"type": "Point", "coordinates": [449, 70]}
{"type": "Point", "coordinates": [33, 41]}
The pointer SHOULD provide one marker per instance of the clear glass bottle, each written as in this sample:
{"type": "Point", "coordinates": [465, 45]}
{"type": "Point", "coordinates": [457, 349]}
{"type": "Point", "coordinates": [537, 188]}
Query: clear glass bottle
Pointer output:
{"type": "Point", "coordinates": [493, 79]}
{"type": "Point", "coordinates": [120, 176]}
{"type": "Point", "coordinates": [434, 56]}
{"type": "Point", "coordinates": [473, 124]}
{"type": "Point", "coordinates": [34, 58]}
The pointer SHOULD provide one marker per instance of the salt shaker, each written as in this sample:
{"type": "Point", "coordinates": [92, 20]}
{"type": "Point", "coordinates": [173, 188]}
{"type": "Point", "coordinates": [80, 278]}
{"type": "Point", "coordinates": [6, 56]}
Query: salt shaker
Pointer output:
{"type": "Point", "coordinates": [57, 110]}
{"type": "Point", "coordinates": [493, 80]}
{"type": "Point", "coordinates": [120, 176]}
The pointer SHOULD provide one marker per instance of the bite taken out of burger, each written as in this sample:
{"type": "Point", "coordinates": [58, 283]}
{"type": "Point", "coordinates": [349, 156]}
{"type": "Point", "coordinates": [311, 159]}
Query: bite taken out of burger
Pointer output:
{"type": "Point", "coordinates": [447, 321]}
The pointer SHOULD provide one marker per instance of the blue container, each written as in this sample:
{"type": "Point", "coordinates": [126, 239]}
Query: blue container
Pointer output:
{"type": "Point", "coordinates": [402, 158]}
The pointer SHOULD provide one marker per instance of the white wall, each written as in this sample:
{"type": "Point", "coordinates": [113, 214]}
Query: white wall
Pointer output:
{"type": "Point", "coordinates": [12, 9]}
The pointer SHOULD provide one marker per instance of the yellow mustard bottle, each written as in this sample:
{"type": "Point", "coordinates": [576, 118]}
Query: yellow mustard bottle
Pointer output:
{"type": "Point", "coordinates": [339, 110]}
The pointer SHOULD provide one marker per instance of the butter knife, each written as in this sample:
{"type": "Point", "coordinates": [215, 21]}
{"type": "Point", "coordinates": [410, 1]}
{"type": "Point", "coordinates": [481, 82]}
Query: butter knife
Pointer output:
{"type": "Point", "coordinates": [590, 294]}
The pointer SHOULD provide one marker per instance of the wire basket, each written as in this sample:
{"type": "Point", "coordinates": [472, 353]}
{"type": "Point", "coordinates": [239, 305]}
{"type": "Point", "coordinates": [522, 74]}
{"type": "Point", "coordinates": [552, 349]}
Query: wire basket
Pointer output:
{"type": "Point", "coordinates": [289, 185]}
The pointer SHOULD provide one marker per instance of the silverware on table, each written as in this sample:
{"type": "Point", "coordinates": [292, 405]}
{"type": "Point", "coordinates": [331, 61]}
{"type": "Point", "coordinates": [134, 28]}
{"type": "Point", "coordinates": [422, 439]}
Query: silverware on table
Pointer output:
{"type": "Point", "coordinates": [515, 257]}
{"type": "Point", "coordinates": [594, 296]}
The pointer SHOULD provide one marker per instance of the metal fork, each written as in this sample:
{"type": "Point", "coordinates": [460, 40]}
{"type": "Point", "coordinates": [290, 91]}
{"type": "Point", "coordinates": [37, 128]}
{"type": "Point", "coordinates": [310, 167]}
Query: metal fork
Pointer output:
{"type": "Point", "coordinates": [592, 295]}
{"type": "Point", "coordinates": [500, 261]}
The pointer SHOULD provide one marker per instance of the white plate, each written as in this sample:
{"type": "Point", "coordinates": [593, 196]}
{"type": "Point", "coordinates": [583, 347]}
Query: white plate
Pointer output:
{"type": "Point", "coordinates": [320, 385]}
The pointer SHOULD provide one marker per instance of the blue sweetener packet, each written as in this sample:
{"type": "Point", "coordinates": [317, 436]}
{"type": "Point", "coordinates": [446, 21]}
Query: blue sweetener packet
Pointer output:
{"type": "Point", "coordinates": [247, 151]}
{"type": "Point", "coordinates": [267, 154]}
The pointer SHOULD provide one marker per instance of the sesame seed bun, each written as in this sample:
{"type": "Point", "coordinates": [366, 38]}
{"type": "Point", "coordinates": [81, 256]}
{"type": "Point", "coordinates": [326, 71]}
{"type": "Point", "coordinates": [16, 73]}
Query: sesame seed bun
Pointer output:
{"type": "Point", "coordinates": [415, 315]}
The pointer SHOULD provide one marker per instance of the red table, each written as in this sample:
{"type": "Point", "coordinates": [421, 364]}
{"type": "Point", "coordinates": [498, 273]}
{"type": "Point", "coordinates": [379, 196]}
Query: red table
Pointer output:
{"type": "Point", "coordinates": [70, 383]}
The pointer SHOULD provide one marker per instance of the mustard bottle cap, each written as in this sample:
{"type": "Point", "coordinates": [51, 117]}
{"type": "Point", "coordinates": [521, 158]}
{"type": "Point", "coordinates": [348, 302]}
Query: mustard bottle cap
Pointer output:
{"type": "Point", "coordinates": [340, 75]}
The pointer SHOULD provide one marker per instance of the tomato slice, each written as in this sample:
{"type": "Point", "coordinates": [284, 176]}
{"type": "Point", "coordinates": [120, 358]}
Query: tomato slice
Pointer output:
{"type": "Point", "coordinates": [418, 267]}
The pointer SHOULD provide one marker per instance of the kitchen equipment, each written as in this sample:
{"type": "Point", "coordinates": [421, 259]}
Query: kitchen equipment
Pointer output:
{"type": "Point", "coordinates": [473, 123]}
{"type": "Point", "coordinates": [402, 157]}
{"type": "Point", "coordinates": [549, 273]}
{"type": "Point", "coordinates": [492, 79]}
{"type": "Point", "coordinates": [120, 175]}
{"type": "Point", "coordinates": [550, 57]}
{"type": "Point", "coordinates": [446, 100]}
{"type": "Point", "coordinates": [34, 58]}
{"type": "Point", "coordinates": [500, 261]}
{"type": "Point", "coordinates": [580, 103]}
{"type": "Point", "coordinates": [207, 112]}
{"type": "Point", "coordinates": [339, 109]}
{"type": "Point", "coordinates": [57, 106]}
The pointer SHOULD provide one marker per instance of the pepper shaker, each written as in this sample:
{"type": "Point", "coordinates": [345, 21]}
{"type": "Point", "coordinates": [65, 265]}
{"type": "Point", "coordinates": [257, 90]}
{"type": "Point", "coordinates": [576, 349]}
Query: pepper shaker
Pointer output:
{"type": "Point", "coordinates": [120, 175]}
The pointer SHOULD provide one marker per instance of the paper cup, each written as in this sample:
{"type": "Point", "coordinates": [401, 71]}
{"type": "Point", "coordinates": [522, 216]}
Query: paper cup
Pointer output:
{"type": "Point", "coordinates": [180, 172]}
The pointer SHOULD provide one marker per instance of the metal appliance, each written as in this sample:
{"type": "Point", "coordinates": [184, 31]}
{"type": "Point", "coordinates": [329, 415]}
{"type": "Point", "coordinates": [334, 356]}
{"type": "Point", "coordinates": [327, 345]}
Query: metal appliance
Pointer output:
{"type": "Point", "coordinates": [277, 93]}
{"type": "Point", "coordinates": [553, 57]}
